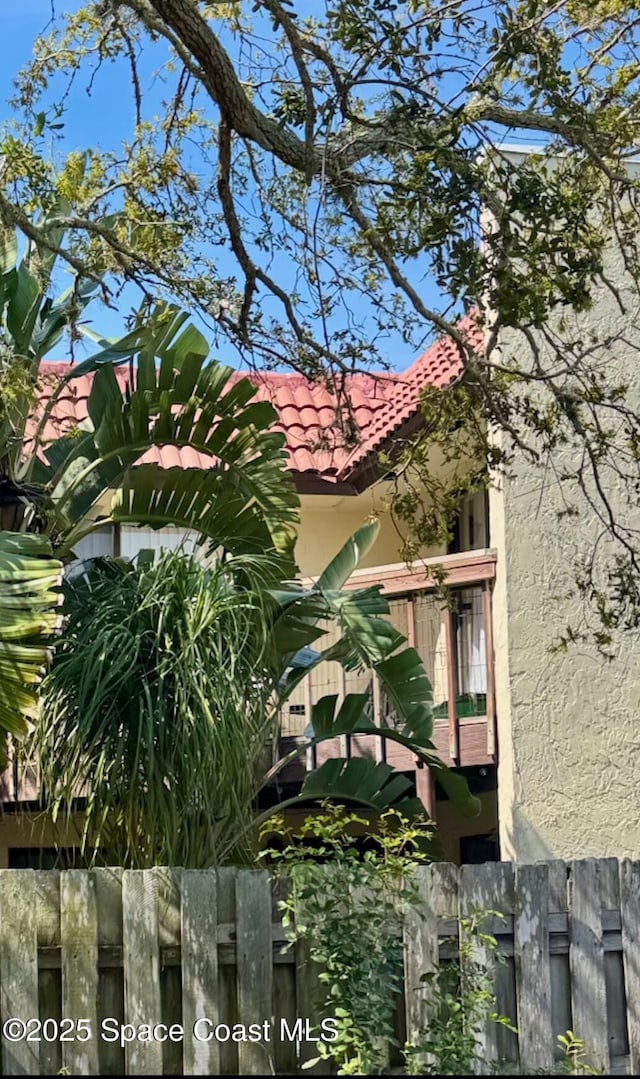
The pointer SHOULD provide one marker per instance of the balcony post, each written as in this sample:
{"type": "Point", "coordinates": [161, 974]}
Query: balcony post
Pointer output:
{"type": "Point", "coordinates": [452, 680]}
{"type": "Point", "coordinates": [491, 689]}
{"type": "Point", "coordinates": [426, 790]}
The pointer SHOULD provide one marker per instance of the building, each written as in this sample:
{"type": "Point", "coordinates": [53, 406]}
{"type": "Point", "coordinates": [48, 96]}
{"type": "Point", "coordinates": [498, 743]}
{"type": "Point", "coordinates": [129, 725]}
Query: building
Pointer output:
{"type": "Point", "coordinates": [548, 740]}
{"type": "Point", "coordinates": [340, 487]}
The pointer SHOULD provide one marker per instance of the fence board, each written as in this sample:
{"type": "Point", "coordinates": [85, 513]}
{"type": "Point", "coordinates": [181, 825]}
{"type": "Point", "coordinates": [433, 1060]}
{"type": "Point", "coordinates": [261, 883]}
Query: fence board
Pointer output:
{"type": "Point", "coordinates": [79, 947]}
{"type": "Point", "coordinates": [141, 957]}
{"type": "Point", "coordinates": [437, 886]}
{"type": "Point", "coordinates": [284, 986]}
{"type": "Point", "coordinates": [533, 966]}
{"type": "Point", "coordinates": [200, 993]}
{"type": "Point", "coordinates": [254, 963]}
{"type": "Point", "coordinates": [559, 960]}
{"type": "Point", "coordinates": [227, 971]}
{"type": "Point", "coordinates": [19, 966]}
{"type": "Point", "coordinates": [630, 918]}
{"type": "Point", "coordinates": [111, 979]}
{"type": "Point", "coordinates": [168, 906]}
{"type": "Point", "coordinates": [483, 888]}
{"type": "Point", "coordinates": [309, 995]}
{"type": "Point", "coordinates": [586, 961]}
{"type": "Point", "coordinates": [189, 944]}
{"type": "Point", "coordinates": [47, 914]}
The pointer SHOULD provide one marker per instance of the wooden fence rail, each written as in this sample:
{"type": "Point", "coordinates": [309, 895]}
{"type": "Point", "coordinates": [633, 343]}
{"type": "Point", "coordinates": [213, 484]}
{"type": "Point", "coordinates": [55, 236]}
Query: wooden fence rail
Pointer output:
{"type": "Point", "coordinates": [86, 953]}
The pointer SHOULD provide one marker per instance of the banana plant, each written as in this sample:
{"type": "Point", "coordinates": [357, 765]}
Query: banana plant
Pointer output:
{"type": "Point", "coordinates": [367, 642]}
{"type": "Point", "coordinates": [165, 693]}
{"type": "Point", "coordinates": [237, 499]}
{"type": "Point", "coordinates": [30, 580]}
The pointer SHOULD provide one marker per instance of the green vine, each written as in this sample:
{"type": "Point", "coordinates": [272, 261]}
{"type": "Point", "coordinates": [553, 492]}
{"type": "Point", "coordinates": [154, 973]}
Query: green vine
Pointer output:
{"type": "Point", "coordinates": [348, 904]}
{"type": "Point", "coordinates": [461, 1002]}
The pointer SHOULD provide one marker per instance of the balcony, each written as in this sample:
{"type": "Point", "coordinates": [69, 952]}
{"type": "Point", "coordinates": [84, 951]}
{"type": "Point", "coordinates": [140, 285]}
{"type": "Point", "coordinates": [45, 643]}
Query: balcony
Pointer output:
{"type": "Point", "coordinates": [455, 642]}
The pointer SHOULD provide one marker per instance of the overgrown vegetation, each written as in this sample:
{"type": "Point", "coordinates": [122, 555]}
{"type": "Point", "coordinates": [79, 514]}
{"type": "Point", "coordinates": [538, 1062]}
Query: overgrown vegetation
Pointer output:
{"type": "Point", "coordinates": [348, 906]}
{"type": "Point", "coordinates": [305, 169]}
{"type": "Point", "coordinates": [461, 1002]}
{"type": "Point", "coordinates": [349, 884]}
{"type": "Point", "coordinates": [348, 901]}
{"type": "Point", "coordinates": [162, 708]}
{"type": "Point", "coordinates": [157, 709]}
{"type": "Point", "coordinates": [64, 480]}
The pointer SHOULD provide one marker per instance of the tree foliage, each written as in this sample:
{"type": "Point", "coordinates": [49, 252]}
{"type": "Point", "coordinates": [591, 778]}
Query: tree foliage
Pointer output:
{"type": "Point", "coordinates": [308, 168]}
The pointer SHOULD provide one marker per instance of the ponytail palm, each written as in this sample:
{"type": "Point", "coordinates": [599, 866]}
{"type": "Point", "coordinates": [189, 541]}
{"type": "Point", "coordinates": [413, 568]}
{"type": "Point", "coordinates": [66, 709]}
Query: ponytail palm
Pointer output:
{"type": "Point", "coordinates": [165, 695]}
{"type": "Point", "coordinates": [157, 708]}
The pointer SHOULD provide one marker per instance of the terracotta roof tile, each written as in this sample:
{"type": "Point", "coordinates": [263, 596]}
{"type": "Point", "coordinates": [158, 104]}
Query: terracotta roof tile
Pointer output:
{"type": "Point", "coordinates": [308, 412]}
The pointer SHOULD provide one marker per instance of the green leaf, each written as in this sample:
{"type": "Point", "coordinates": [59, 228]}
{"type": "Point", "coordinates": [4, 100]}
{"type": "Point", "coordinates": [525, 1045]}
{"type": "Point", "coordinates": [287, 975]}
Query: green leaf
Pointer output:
{"type": "Point", "coordinates": [351, 716]}
{"type": "Point", "coordinates": [23, 308]}
{"type": "Point", "coordinates": [409, 689]}
{"type": "Point", "coordinates": [29, 595]}
{"type": "Point", "coordinates": [457, 789]}
{"type": "Point", "coordinates": [348, 558]}
{"type": "Point", "coordinates": [185, 402]}
{"type": "Point", "coordinates": [375, 785]}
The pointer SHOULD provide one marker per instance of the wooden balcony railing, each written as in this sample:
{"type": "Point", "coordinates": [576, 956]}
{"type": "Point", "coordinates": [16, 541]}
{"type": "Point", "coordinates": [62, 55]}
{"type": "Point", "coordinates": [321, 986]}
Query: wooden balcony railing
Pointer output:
{"type": "Point", "coordinates": [455, 641]}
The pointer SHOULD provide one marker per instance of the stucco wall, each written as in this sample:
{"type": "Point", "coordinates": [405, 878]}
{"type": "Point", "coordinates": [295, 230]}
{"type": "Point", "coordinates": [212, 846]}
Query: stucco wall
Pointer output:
{"type": "Point", "coordinates": [32, 831]}
{"type": "Point", "coordinates": [326, 523]}
{"type": "Point", "coordinates": [568, 723]}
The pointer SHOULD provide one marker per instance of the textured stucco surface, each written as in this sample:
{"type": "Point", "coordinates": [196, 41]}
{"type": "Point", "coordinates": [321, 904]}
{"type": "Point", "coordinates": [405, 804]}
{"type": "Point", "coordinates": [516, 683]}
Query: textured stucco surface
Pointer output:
{"type": "Point", "coordinates": [568, 723]}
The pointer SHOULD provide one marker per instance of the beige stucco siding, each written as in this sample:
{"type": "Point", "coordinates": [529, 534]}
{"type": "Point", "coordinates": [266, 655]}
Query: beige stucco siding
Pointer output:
{"type": "Point", "coordinates": [568, 722]}
{"type": "Point", "coordinates": [33, 831]}
{"type": "Point", "coordinates": [327, 522]}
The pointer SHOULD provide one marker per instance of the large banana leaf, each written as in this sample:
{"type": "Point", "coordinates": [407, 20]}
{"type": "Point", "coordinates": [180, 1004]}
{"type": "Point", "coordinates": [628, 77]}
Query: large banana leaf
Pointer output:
{"type": "Point", "coordinates": [349, 557]}
{"type": "Point", "coordinates": [376, 786]}
{"type": "Point", "coordinates": [331, 719]}
{"type": "Point", "coordinates": [186, 402]}
{"type": "Point", "coordinates": [29, 595]}
{"type": "Point", "coordinates": [367, 642]}
{"type": "Point", "coordinates": [31, 325]}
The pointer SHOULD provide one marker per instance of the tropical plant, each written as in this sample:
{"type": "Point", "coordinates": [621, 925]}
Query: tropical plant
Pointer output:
{"type": "Point", "coordinates": [29, 597]}
{"type": "Point", "coordinates": [366, 641]}
{"type": "Point", "coordinates": [347, 906]}
{"type": "Point", "coordinates": [31, 325]}
{"type": "Point", "coordinates": [166, 692]}
{"type": "Point", "coordinates": [156, 707]}
{"type": "Point", "coordinates": [461, 1003]}
{"type": "Point", "coordinates": [239, 499]}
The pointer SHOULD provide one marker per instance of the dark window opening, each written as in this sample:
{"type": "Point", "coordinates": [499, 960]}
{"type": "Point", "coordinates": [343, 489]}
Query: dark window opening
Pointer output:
{"type": "Point", "coordinates": [476, 849]}
{"type": "Point", "coordinates": [46, 858]}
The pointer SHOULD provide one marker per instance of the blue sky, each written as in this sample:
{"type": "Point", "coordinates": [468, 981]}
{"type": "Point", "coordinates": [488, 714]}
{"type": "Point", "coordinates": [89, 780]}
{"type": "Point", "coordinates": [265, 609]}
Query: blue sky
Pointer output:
{"type": "Point", "coordinates": [102, 120]}
{"type": "Point", "coordinates": [89, 121]}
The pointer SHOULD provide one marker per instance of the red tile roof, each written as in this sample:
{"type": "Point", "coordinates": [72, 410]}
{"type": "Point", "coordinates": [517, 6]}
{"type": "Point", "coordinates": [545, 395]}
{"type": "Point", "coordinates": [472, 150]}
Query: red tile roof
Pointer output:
{"type": "Point", "coordinates": [309, 413]}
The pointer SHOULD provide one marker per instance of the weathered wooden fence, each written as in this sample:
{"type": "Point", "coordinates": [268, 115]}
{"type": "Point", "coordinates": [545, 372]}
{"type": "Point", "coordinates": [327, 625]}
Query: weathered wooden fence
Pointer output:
{"type": "Point", "coordinates": [192, 953]}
